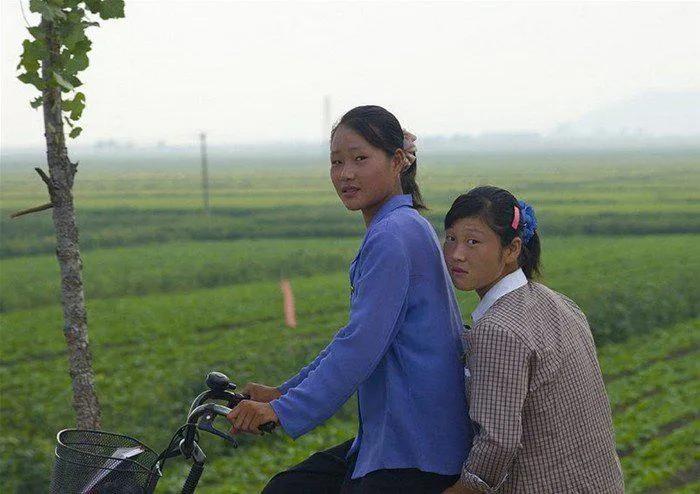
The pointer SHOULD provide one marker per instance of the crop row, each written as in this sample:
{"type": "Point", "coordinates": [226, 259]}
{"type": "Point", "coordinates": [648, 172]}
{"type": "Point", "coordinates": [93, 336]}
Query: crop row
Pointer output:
{"type": "Point", "coordinates": [125, 227]}
{"type": "Point", "coordinates": [605, 193]}
{"type": "Point", "coordinates": [622, 294]}
{"type": "Point", "coordinates": [100, 176]}
{"type": "Point", "coordinates": [32, 281]}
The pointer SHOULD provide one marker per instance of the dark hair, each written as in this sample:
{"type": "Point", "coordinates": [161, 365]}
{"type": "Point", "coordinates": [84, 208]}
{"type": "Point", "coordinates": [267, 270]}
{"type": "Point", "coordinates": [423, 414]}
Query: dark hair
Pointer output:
{"type": "Point", "coordinates": [381, 129]}
{"type": "Point", "coordinates": [496, 207]}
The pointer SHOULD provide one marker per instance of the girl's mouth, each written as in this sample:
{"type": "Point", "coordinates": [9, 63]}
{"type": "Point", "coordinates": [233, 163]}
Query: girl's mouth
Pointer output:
{"type": "Point", "coordinates": [458, 271]}
{"type": "Point", "coordinates": [349, 191]}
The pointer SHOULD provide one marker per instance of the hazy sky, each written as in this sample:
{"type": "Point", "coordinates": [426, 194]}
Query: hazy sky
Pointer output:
{"type": "Point", "coordinates": [252, 72]}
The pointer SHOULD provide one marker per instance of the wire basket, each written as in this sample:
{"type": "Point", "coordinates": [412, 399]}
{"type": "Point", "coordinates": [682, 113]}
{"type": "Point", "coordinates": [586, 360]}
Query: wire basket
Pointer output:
{"type": "Point", "coordinates": [96, 462]}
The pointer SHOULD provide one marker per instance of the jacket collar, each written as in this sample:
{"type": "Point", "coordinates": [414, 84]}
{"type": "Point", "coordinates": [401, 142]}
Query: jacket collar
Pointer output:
{"type": "Point", "coordinates": [505, 285]}
{"type": "Point", "coordinates": [390, 205]}
{"type": "Point", "coordinates": [394, 202]}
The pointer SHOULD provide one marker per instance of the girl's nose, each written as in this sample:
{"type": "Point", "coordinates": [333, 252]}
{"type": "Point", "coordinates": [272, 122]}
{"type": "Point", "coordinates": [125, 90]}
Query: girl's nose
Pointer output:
{"type": "Point", "coordinates": [458, 254]}
{"type": "Point", "coordinates": [346, 173]}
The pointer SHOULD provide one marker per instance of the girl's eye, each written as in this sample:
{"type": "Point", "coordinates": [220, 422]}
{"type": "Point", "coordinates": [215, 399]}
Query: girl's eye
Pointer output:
{"type": "Point", "coordinates": [361, 158]}
{"type": "Point", "coordinates": [449, 238]}
{"type": "Point", "coordinates": [335, 162]}
{"type": "Point", "coordinates": [471, 241]}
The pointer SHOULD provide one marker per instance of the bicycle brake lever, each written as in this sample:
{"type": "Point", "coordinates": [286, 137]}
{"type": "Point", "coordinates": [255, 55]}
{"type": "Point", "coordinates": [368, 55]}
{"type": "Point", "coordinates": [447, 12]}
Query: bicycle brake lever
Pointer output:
{"type": "Point", "coordinates": [206, 423]}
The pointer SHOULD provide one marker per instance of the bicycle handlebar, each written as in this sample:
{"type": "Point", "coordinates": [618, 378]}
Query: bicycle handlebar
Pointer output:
{"type": "Point", "coordinates": [201, 415]}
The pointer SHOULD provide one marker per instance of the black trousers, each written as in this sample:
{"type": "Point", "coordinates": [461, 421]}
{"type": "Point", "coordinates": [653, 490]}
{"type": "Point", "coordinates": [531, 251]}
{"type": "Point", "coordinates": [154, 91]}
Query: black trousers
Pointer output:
{"type": "Point", "coordinates": [329, 471]}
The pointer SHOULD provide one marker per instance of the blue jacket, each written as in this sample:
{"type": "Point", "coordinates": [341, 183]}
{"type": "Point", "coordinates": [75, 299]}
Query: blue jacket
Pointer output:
{"type": "Point", "coordinates": [400, 351]}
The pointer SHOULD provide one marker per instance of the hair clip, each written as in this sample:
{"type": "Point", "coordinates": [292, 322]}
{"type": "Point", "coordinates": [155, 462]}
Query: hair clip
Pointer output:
{"type": "Point", "coordinates": [516, 218]}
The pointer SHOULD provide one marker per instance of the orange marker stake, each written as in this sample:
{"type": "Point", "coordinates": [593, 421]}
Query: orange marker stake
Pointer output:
{"type": "Point", "coordinates": [290, 316]}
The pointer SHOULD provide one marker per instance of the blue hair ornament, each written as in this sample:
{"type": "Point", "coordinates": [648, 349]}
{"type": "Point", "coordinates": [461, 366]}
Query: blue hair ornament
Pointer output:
{"type": "Point", "coordinates": [528, 220]}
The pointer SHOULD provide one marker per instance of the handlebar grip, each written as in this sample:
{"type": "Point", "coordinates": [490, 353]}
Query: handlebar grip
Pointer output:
{"type": "Point", "coordinates": [268, 427]}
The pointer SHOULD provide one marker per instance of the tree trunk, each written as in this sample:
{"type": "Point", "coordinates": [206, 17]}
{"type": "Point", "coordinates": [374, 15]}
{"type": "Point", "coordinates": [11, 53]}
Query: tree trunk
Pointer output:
{"type": "Point", "coordinates": [60, 184]}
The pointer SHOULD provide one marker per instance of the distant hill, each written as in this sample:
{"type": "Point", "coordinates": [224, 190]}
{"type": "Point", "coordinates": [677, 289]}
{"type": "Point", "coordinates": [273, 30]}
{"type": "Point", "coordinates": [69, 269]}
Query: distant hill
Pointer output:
{"type": "Point", "coordinates": [655, 114]}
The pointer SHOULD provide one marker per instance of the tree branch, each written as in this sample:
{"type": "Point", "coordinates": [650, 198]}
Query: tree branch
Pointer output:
{"type": "Point", "coordinates": [45, 178]}
{"type": "Point", "coordinates": [31, 210]}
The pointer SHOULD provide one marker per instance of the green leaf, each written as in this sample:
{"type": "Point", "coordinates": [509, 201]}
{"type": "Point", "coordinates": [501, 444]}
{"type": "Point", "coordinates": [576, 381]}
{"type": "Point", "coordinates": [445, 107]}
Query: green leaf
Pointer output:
{"type": "Point", "coordinates": [75, 106]}
{"type": "Point", "coordinates": [75, 132]}
{"type": "Point", "coordinates": [33, 79]}
{"type": "Point", "coordinates": [37, 5]}
{"type": "Point", "coordinates": [82, 46]}
{"type": "Point", "coordinates": [112, 9]}
{"type": "Point", "coordinates": [93, 6]}
{"type": "Point", "coordinates": [47, 10]}
{"type": "Point", "coordinates": [79, 106]}
{"type": "Point", "coordinates": [37, 102]}
{"type": "Point", "coordinates": [28, 59]}
{"type": "Point", "coordinates": [62, 82]}
{"type": "Point", "coordinates": [37, 32]}
{"type": "Point", "coordinates": [33, 52]}
{"type": "Point", "coordinates": [76, 64]}
{"type": "Point", "coordinates": [73, 80]}
{"type": "Point", "coordinates": [72, 33]}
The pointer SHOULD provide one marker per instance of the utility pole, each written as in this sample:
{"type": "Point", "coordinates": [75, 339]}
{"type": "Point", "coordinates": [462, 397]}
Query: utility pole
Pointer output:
{"type": "Point", "coordinates": [326, 120]}
{"type": "Point", "coordinates": [205, 173]}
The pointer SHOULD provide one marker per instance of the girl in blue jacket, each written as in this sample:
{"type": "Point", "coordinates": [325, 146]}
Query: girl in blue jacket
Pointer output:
{"type": "Point", "coordinates": [401, 349]}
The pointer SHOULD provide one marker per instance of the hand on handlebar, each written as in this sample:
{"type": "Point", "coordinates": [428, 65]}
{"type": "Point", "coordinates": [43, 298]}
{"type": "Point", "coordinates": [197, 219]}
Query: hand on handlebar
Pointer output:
{"type": "Point", "coordinates": [260, 392]}
{"type": "Point", "coordinates": [249, 415]}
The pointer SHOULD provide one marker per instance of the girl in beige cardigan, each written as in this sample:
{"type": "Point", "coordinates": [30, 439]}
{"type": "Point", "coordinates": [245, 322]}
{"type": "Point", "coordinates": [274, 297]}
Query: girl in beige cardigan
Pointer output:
{"type": "Point", "coordinates": [536, 396]}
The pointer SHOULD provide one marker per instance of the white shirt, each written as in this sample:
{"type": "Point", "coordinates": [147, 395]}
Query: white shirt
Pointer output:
{"type": "Point", "coordinates": [505, 285]}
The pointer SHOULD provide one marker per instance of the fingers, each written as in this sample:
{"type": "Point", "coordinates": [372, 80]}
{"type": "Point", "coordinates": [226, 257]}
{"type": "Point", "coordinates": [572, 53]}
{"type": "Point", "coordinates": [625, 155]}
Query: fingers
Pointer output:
{"type": "Point", "coordinates": [233, 431]}
{"type": "Point", "coordinates": [247, 421]}
{"type": "Point", "coordinates": [248, 415]}
{"type": "Point", "coordinates": [409, 136]}
{"type": "Point", "coordinates": [234, 417]}
{"type": "Point", "coordinates": [254, 390]}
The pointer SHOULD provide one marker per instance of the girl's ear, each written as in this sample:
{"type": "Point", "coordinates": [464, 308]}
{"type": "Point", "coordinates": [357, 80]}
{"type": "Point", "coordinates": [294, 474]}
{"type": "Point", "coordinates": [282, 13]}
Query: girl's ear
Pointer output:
{"type": "Point", "coordinates": [512, 251]}
{"type": "Point", "coordinates": [399, 162]}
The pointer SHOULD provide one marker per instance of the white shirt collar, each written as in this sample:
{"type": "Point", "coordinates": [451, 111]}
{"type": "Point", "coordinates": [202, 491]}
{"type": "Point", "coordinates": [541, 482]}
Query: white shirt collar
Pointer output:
{"type": "Point", "coordinates": [505, 285]}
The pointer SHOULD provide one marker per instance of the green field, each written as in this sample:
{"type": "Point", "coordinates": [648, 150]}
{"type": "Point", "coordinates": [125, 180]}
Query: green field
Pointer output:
{"type": "Point", "coordinates": [173, 294]}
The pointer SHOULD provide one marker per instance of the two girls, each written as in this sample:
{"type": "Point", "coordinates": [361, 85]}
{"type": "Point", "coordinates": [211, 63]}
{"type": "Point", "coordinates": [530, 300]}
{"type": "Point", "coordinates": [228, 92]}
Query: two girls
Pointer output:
{"type": "Point", "coordinates": [538, 405]}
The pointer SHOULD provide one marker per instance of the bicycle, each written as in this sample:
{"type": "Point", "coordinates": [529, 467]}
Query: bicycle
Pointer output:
{"type": "Point", "coordinates": [97, 462]}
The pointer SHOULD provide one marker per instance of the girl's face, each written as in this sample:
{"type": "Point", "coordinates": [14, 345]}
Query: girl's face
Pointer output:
{"type": "Point", "coordinates": [474, 255]}
{"type": "Point", "coordinates": [363, 175]}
